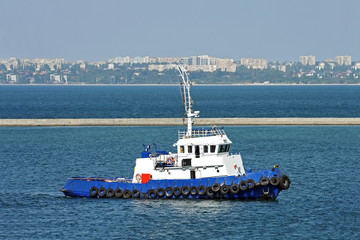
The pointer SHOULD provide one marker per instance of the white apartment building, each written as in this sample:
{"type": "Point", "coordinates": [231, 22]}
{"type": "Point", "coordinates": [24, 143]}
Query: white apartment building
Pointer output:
{"type": "Point", "coordinates": [307, 60]}
{"type": "Point", "coordinates": [343, 60]}
{"type": "Point", "coordinates": [254, 63]}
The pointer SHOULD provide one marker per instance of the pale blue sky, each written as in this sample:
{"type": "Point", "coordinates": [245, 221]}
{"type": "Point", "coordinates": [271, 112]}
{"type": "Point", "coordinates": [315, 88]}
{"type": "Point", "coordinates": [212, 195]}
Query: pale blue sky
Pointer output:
{"type": "Point", "coordinates": [98, 30]}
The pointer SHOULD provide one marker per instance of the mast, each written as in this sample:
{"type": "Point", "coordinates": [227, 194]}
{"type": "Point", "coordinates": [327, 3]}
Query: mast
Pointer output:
{"type": "Point", "coordinates": [185, 93]}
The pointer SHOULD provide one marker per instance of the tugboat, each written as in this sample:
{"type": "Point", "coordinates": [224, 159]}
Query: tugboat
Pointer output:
{"type": "Point", "coordinates": [202, 168]}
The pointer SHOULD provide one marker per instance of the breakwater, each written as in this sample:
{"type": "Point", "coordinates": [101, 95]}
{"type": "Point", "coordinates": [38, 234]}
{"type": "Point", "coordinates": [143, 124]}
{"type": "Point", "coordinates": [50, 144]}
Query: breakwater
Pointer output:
{"type": "Point", "coordinates": [175, 121]}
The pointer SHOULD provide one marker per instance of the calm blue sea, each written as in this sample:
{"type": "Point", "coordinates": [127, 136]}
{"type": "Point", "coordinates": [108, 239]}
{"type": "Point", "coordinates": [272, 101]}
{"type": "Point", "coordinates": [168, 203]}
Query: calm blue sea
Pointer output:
{"type": "Point", "coordinates": [322, 162]}
{"type": "Point", "coordinates": [322, 202]}
{"type": "Point", "coordinates": [165, 101]}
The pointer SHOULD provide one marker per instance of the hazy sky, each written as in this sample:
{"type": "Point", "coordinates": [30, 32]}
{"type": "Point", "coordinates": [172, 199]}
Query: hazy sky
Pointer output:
{"type": "Point", "coordinates": [98, 30]}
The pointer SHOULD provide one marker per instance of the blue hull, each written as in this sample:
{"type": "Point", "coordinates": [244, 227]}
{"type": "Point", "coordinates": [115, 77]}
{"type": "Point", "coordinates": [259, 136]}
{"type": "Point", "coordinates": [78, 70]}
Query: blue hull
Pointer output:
{"type": "Point", "coordinates": [265, 184]}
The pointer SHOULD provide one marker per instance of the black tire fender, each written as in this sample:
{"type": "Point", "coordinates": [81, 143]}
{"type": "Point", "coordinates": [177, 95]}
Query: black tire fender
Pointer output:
{"type": "Point", "coordinates": [152, 193]}
{"type": "Point", "coordinates": [135, 193]}
{"type": "Point", "coordinates": [209, 192]}
{"type": "Point", "coordinates": [243, 185]}
{"type": "Point", "coordinates": [185, 190]}
{"type": "Point", "coordinates": [127, 194]}
{"type": "Point", "coordinates": [202, 190]}
{"type": "Point", "coordinates": [284, 182]}
{"type": "Point", "coordinates": [93, 192]}
{"type": "Point", "coordinates": [169, 192]}
{"type": "Point", "coordinates": [161, 192]}
{"type": "Point", "coordinates": [251, 183]}
{"type": "Point", "coordinates": [215, 187]}
{"type": "Point", "coordinates": [264, 181]}
{"type": "Point", "coordinates": [274, 181]}
{"type": "Point", "coordinates": [110, 193]}
{"type": "Point", "coordinates": [194, 191]}
{"type": "Point", "coordinates": [177, 192]}
{"type": "Point", "coordinates": [119, 193]}
{"type": "Point", "coordinates": [234, 188]}
{"type": "Point", "coordinates": [224, 189]}
{"type": "Point", "coordinates": [102, 192]}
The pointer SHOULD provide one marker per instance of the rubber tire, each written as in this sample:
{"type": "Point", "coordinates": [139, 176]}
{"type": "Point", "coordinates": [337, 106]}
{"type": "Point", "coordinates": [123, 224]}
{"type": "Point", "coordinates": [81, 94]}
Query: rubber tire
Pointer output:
{"type": "Point", "coordinates": [284, 182]}
{"type": "Point", "coordinates": [265, 193]}
{"type": "Point", "coordinates": [224, 189]}
{"type": "Point", "coordinates": [194, 191]}
{"type": "Point", "coordinates": [110, 193]}
{"type": "Point", "coordinates": [169, 192]}
{"type": "Point", "coordinates": [127, 194]}
{"type": "Point", "coordinates": [185, 191]}
{"type": "Point", "coordinates": [251, 183]}
{"type": "Point", "coordinates": [161, 192]}
{"type": "Point", "coordinates": [209, 192]}
{"type": "Point", "coordinates": [234, 188]}
{"type": "Point", "coordinates": [215, 187]}
{"type": "Point", "coordinates": [177, 192]}
{"type": "Point", "coordinates": [202, 190]}
{"type": "Point", "coordinates": [275, 181]}
{"type": "Point", "coordinates": [93, 192]}
{"type": "Point", "coordinates": [102, 192]}
{"type": "Point", "coordinates": [119, 193]}
{"type": "Point", "coordinates": [264, 181]}
{"type": "Point", "coordinates": [152, 193]}
{"type": "Point", "coordinates": [243, 185]}
{"type": "Point", "coordinates": [136, 193]}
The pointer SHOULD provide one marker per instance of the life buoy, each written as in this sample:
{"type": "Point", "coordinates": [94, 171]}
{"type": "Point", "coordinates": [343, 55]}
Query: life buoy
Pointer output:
{"type": "Point", "coordinates": [224, 189]}
{"type": "Point", "coordinates": [185, 191]}
{"type": "Point", "coordinates": [169, 192]}
{"type": "Point", "coordinates": [93, 191]}
{"type": "Point", "coordinates": [170, 160]}
{"type": "Point", "coordinates": [102, 192]}
{"type": "Point", "coordinates": [194, 191]}
{"type": "Point", "coordinates": [284, 182]}
{"type": "Point", "coordinates": [152, 193]}
{"type": "Point", "coordinates": [127, 194]}
{"type": "Point", "coordinates": [110, 193]}
{"type": "Point", "coordinates": [202, 190]}
{"type": "Point", "coordinates": [138, 178]}
{"type": "Point", "coordinates": [251, 183]}
{"type": "Point", "coordinates": [161, 192]}
{"type": "Point", "coordinates": [264, 181]}
{"type": "Point", "coordinates": [274, 181]}
{"type": "Point", "coordinates": [119, 193]}
{"type": "Point", "coordinates": [215, 187]}
{"type": "Point", "coordinates": [234, 188]}
{"type": "Point", "coordinates": [135, 193]}
{"type": "Point", "coordinates": [243, 185]}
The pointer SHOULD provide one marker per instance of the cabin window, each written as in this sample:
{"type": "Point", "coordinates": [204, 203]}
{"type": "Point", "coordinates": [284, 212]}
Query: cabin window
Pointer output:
{"type": "Point", "coordinates": [189, 149]}
{"type": "Point", "coordinates": [181, 149]}
{"type": "Point", "coordinates": [212, 148]}
{"type": "Point", "coordinates": [206, 149]}
{"type": "Point", "coordinates": [224, 148]}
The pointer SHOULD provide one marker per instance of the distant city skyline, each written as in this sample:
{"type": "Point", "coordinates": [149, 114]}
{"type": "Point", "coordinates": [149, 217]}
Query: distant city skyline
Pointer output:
{"type": "Point", "coordinates": [93, 31]}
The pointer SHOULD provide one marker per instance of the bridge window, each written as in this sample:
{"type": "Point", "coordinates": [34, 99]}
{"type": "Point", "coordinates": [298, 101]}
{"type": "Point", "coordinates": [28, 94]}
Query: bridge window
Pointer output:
{"type": "Point", "coordinates": [212, 148]}
{"type": "Point", "coordinates": [181, 149]}
{"type": "Point", "coordinates": [224, 148]}
{"type": "Point", "coordinates": [206, 149]}
{"type": "Point", "coordinates": [190, 149]}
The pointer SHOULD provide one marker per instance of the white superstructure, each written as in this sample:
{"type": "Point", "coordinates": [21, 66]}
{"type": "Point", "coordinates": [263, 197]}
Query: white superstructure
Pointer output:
{"type": "Point", "coordinates": [200, 153]}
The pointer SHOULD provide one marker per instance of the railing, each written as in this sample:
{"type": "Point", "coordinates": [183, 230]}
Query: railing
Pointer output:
{"type": "Point", "coordinates": [202, 132]}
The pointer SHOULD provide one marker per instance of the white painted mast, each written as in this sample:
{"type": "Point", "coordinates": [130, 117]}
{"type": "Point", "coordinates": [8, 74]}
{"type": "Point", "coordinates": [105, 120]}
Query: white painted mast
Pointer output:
{"type": "Point", "coordinates": [185, 92]}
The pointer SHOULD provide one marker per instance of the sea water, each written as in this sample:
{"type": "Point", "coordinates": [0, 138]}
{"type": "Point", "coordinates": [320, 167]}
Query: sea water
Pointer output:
{"type": "Point", "coordinates": [165, 101]}
{"type": "Point", "coordinates": [321, 161]}
{"type": "Point", "coordinates": [322, 202]}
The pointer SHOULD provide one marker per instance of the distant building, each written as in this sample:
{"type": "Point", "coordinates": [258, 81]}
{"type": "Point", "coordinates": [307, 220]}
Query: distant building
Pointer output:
{"type": "Point", "coordinates": [357, 66]}
{"type": "Point", "coordinates": [321, 66]}
{"type": "Point", "coordinates": [343, 60]}
{"type": "Point", "coordinates": [307, 60]}
{"type": "Point", "coordinates": [254, 63]}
